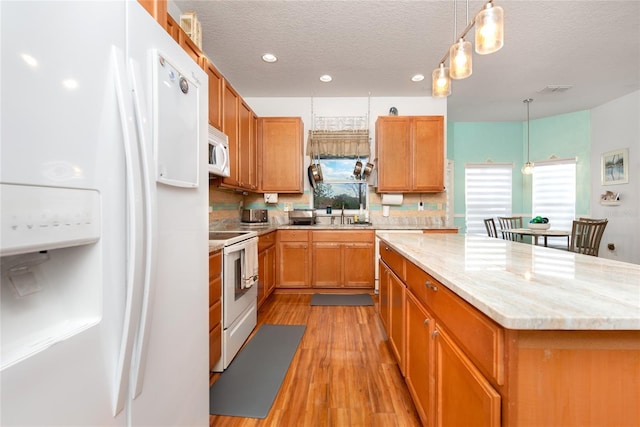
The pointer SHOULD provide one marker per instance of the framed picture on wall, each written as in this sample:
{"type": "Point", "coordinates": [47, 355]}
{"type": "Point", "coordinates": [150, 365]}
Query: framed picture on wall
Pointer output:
{"type": "Point", "coordinates": [615, 167]}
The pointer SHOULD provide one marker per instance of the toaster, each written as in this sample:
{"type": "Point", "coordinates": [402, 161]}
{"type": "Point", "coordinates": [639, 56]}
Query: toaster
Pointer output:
{"type": "Point", "coordinates": [254, 215]}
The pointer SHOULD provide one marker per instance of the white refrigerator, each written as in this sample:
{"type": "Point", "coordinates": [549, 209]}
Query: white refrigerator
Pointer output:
{"type": "Point", "coordinates": [104, 219]}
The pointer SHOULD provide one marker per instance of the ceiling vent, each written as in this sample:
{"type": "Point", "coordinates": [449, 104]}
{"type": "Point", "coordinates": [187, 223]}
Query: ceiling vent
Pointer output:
{"type": "Point", "coordinates": [555, 89]}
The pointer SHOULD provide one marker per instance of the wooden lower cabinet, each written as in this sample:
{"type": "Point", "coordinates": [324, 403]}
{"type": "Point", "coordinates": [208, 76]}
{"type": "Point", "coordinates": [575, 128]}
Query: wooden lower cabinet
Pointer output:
{"type": "Point", "coordinates": [342, 259]}
{"type": "Point", "coordinates": [293, 258]}
{"type": "Point", "coordinates": [464, 397]}
{"type": "Point", "coordinates": [397, 330]}
{"type": "Point", "coordinates": [266, 266]}
{"type": "Point", "coordinates": [383, 294]}
{"type": "Point", "coordinates": [419, 375]}
{"type": "Point", "coordinates": [464, 369]}
{"type": "Point", "coordinates": [445, 384]}
{"type": "Point", "coordinates": [215, 308]}
{"type": "Point", "coordinates": [325, 259]}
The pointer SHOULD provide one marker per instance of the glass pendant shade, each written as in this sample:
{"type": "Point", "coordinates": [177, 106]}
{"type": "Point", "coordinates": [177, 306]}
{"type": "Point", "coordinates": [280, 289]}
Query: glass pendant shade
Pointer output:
{"type": "Point", "coordinates": [440, 82]}
{"type": "Point", "coordinates": [527, 169]}
{"type": "Point", "coordinates": [489, 29]}
{"type": "Point", "coordinates": [460, 60]}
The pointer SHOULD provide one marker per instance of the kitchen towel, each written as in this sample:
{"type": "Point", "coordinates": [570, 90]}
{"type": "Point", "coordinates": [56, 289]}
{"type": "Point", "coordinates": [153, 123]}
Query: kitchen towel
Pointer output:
{"type": "Point", "coordinates": [251, 382]}
{"type": "Point", "coordinates": [341, 299]}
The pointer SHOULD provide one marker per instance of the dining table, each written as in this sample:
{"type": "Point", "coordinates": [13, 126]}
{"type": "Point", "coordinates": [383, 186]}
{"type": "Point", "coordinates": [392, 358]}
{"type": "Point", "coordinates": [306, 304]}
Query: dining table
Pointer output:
{"type": "Point", "coordinates": [537, 233]}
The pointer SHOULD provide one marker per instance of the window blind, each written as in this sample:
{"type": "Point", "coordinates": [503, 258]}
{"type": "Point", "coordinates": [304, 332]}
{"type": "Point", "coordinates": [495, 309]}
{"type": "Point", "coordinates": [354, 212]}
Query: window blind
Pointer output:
{"type": "Point", "coordinates": [554, 192]}
{"type": "Point", "coordinates": [488, 193]}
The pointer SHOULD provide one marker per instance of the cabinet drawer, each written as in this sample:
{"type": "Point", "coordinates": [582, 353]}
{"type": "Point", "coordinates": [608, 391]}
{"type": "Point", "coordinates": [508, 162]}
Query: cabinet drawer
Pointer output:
{"type": "Point", "coordinates": [215, 315]}
{"type": "Point", "coordinates": [480, 337]}
{"type": "Point", "coordinates": [215, 346]}
{"type": "Point", "coordinates": [266, 240]}
{"type": "Point", "coordinates": [215, 265]}
{"type": "Point", "coordinates": [420, 283]}
{"type": "Point", "coordinates": [343, 236]}
{"type": "Point", "coordinates": [293, 235]}
{"type": "Point", "coordinates": [393, 259]}
{"type": "Point", "coordinates": [215, 290]}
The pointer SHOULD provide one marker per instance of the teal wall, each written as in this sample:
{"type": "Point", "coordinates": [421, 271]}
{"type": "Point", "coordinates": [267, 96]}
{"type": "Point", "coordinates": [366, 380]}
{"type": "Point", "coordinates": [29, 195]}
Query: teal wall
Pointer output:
{"type": "Point", "coordinates": [563, 136]}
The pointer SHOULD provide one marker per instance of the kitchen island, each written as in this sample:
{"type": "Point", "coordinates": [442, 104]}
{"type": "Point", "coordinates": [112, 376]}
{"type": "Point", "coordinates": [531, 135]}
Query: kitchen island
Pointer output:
{"type": "Point", "coordinates": [494, 332]}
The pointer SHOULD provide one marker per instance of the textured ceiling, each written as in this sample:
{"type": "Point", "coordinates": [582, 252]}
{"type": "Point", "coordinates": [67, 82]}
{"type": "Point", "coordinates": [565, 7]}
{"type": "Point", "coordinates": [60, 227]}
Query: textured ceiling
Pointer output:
{"type": "Point", "coordinates": [374, 47]}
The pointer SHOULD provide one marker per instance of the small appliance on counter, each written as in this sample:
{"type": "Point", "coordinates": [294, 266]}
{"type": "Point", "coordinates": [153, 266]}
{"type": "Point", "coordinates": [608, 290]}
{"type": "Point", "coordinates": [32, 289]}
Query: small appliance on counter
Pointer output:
{"type": "Point", "coordinates": [254, 216]}
{"type": "Point", "coordinates": [302, 217]}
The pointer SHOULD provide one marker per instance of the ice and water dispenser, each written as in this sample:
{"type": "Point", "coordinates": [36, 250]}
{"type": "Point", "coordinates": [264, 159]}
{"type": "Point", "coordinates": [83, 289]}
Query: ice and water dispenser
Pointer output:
{"type": "Point", "coordinates": [51, 281]}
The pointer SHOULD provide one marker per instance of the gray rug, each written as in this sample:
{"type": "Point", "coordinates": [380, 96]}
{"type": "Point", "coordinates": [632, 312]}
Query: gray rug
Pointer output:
{"type": "Point", "coordinates": [248, 387]}
{"type": "Point", "coordinates": [341, 299]}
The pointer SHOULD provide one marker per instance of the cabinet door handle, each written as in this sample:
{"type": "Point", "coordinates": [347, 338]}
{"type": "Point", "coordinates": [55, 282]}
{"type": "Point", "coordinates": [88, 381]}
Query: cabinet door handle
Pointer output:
{"type": "Point", "coordinates": [426, 322]}
{"type": "Point", "coordinates": [431, 286]}
{"type": "Point", "coordinates": [386, 248]}
{"type": "Point", "coordinates": [434, 334]}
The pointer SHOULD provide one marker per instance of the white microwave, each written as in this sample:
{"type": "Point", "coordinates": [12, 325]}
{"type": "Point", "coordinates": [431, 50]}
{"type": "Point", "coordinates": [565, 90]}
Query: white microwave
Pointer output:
{"type": "Point", "coordinates": [218, 153]}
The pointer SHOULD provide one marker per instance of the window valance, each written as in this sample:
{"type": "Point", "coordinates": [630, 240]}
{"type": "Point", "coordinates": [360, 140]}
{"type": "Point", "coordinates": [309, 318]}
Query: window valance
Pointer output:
{"type": "Point", "coordinates": [339, 143]}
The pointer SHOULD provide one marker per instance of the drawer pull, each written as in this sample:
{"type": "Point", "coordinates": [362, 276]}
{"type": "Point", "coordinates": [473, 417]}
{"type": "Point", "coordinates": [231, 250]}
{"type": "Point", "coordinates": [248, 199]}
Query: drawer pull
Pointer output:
{"type": "Point", "coordinates": [386, 248]}
{"type": "Point", "coordinates": [434, 334]}
{"type": "Point", "coordinates": [431, 286]}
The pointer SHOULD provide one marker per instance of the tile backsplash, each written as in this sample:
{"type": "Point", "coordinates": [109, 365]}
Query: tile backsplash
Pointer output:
{"type": "Point", "coordinates": [226, 205]}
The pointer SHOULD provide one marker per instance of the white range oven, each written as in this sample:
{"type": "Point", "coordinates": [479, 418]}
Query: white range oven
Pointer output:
{"type": "Point", "coordinates": [239, 290]}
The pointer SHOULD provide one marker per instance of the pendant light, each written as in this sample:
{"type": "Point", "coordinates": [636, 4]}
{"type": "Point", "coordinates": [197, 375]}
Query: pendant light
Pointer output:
{"type": "Point", "coordinates": [440, 82]}
{"type": "Point", "coordinates": [460, 54]}
{"type": "Point", "coordinates": [460, 51]}
{"type": "Point", "coordinates": [527, 169]}
{"type": "Point", "coordinates": [489, 29]}
{"type": "Point", "coordinates": [489, 38]}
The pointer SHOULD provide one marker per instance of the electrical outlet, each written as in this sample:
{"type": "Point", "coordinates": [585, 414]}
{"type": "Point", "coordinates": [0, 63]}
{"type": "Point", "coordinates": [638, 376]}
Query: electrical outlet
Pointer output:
{"type": "Point", "coordinates": [420, 206]}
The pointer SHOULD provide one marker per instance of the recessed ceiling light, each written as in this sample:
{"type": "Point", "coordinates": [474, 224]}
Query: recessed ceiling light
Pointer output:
{"type": "Point", "coordinates": [326, 78]}
{"type": "Point", "coordinates": [417, 78]}
{"type": "Point", "coordinates": [269, 57]}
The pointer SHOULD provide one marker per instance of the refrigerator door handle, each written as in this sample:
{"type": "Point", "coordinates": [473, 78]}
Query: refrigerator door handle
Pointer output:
{"type": "Point", "coordinates": [135, 242]}
{"type": "Point", "coordinates": [150, 221]}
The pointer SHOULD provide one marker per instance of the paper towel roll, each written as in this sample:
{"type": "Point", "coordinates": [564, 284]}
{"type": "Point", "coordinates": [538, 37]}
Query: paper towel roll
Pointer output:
{"type": "Point", "coordinates": [392, 199]}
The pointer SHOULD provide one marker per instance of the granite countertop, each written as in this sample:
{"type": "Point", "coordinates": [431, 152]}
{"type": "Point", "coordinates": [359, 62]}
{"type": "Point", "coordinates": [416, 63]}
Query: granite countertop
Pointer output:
{"type": "Point", "coordinates": [522, 286]}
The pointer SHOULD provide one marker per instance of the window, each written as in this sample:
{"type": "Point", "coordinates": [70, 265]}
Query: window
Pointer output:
{"type": "Point", "coordinates": [339, 186]}
{"type": "Point", "coordinates": [554, 192]}
{"type": "Point", "coordinates": [488, 189]}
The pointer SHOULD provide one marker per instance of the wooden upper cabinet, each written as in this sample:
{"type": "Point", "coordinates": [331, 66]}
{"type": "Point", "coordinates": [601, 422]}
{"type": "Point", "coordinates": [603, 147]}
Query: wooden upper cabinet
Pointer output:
{"type": "Point", "coordinates": [157, 9]}
{"type": "Point", "coordinates": [189, 46]}
{"type": "Point", "coordinates": [280, 143]}
{"type": "Point", "coordinates": [173, 28]}
{"type": "Point", "coordinates": [247, 148]}
{"type": "Point", "coordinates": [393, 145]}
{"type": "Point", "coordinates": [215, 93]}
{"type": "Point", "coordinates": [410, 153]}
{"type": "Point", "coordinates": [230, 121]}
{"type": "Point", "coordinates": [428, 154]}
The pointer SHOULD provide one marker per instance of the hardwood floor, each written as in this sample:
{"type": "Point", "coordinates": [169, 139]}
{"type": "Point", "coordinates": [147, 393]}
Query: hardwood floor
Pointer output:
{"type": "Point", "coordinates": [343, 373]}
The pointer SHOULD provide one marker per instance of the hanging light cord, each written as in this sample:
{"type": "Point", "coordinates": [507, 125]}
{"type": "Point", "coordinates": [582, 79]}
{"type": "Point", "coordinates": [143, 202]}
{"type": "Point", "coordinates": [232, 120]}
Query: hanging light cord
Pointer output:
{"type": "Point", "coordinates": [528, 101]}
{"type": "Point", "coordinates": [466, 30]}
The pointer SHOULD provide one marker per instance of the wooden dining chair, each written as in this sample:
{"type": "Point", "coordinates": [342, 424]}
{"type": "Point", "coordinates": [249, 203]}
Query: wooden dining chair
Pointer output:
{"type": "Point", "coordinates": [490, 225]}
{"type": "Point", "coordinates": [586, 235]}
{"type": "Point", "coordinates": [508, 223]}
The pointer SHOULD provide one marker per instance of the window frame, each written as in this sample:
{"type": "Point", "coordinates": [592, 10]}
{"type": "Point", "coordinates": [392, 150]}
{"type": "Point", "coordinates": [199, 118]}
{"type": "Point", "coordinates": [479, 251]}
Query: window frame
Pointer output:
{"type": "Point", "coordinates": [329, 180]}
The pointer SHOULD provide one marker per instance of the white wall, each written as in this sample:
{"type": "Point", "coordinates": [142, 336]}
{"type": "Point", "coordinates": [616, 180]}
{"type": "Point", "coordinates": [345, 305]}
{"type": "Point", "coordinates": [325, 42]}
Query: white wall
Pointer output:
{"type": "Point", "coordinates": [616, 125]}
